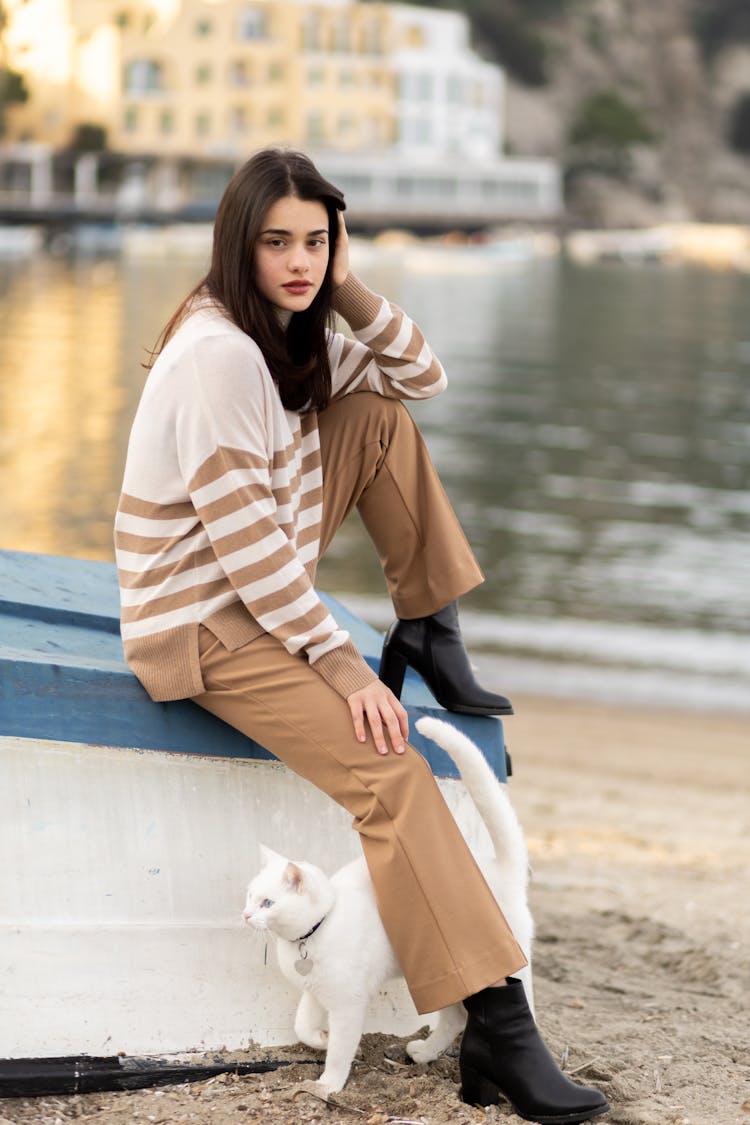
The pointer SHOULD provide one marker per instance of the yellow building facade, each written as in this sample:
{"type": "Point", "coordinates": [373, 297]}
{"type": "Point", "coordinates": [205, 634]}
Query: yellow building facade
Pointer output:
{"type": "Point", "coordinates": [207, 78]}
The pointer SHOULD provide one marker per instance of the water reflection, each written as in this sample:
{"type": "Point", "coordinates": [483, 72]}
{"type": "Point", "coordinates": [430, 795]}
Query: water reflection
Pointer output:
{"type": "Point", "coordinates": [594, 439]}
{"type": "Point", "coordinates": [59, 399]}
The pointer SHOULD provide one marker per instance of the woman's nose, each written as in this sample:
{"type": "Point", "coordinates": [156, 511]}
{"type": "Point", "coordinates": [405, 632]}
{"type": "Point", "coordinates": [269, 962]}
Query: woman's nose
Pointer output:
{"type": "Point", "coordinates": [299, 260]}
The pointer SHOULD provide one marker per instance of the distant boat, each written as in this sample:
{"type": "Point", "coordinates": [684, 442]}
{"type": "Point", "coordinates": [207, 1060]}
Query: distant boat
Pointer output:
{"type": "Point", "coordinates": [20, 242]}
{"type": "Point", "coordinates": [721, 246]}
{"type": "Point", "coordinates": [441, 256]}
{"type": "Point", "coordinates": [656, 244]}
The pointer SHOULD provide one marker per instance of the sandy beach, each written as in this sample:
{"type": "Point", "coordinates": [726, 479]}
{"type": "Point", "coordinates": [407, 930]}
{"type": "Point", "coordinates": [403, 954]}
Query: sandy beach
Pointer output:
{"type": "Point", "coordinates": [638, 824]}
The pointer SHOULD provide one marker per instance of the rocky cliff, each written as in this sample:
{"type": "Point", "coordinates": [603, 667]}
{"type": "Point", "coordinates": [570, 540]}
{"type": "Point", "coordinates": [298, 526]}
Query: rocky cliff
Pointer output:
{"type": "Point", "coordinates": [640, 108]}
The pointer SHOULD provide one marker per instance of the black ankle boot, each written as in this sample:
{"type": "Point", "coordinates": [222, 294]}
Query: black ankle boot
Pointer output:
{"type": "Point", "coordinates": [502, 1052]}
{"type": "Point", "coordinates": [434, 648]}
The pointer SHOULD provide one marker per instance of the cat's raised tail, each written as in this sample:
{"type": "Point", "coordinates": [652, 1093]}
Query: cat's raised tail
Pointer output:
{"type": "Point", "coordinates": [487, 792]}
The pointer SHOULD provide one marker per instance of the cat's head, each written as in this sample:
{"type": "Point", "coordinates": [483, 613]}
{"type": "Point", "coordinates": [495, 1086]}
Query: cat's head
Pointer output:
{"type": "Point", "coordinates": [287, 898]}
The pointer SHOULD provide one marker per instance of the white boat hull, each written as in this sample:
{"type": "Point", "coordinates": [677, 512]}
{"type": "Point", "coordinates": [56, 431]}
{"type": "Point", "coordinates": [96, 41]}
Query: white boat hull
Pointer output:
{"type": "Point", "coordinates": [121, 890]}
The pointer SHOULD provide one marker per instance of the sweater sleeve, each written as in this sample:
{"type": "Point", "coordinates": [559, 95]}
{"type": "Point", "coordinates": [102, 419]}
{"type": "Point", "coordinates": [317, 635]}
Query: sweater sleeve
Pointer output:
{"type": "Point", "coordinates": [389, 353]}
{"type": "Point", "coordinates": [223, 425]}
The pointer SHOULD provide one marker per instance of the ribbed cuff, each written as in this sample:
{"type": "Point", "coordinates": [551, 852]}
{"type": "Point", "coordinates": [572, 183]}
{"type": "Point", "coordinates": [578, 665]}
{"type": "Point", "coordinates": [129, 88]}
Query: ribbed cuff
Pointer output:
{"type": "Point", "coordinates": [358, 305]}
{"type": "Point", "coordinates": [345, 669]}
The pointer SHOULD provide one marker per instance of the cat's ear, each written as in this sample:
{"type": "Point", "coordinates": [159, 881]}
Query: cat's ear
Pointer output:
{"type": "Point", "coordinates": [294, 878]}
{"type": "Point", "coordinates": [268, 855]}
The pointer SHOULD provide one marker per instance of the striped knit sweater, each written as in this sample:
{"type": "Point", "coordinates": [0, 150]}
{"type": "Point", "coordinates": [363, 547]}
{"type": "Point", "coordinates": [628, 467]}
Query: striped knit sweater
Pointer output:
{"type": "Point", "coordinates": [219, 518]}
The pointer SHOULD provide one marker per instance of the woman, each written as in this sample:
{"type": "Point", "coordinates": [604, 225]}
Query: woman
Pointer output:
{"type": "Point", "coordinates": [258, 430]}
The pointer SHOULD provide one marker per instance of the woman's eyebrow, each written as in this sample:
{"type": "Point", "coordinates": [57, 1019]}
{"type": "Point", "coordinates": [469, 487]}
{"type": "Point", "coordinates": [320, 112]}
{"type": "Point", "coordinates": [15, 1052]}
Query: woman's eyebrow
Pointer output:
{"type": "Point", "coordinates": [310, 233]}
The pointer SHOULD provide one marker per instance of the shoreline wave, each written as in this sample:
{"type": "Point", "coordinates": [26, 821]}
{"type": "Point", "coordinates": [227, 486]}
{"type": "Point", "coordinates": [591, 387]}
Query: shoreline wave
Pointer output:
{"type": "Point", "coordinates": [607, 662]}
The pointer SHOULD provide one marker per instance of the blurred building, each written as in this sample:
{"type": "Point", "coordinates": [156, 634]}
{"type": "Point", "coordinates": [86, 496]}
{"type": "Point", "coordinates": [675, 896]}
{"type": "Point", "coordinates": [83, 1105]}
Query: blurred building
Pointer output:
{"type": "Point", "coordinates": [221, 77]}
{"type": "Point", "coordinates": [184, 90]}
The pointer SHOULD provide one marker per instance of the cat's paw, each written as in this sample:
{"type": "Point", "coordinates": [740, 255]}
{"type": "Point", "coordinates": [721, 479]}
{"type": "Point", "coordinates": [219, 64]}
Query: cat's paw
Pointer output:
{"type": "Point", "coordinates": [420, 1051]}
{"type": "Point", "coordinates": [317, 1038]}
{"type": "Point", "coordinates": [330, 1084]}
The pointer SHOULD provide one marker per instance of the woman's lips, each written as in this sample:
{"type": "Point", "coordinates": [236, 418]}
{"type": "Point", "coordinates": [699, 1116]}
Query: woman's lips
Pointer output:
{"type": "Point", "coordinates": [297, 286]}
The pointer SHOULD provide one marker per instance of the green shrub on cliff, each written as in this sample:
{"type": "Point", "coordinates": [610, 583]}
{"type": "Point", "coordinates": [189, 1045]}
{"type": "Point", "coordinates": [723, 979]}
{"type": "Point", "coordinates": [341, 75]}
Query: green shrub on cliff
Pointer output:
{"type": "Point", "coordinates": [603, 132]}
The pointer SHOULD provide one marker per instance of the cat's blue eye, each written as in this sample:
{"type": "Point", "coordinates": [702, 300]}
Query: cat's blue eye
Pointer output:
{"type": "Point", "coordinates": [266, 903]}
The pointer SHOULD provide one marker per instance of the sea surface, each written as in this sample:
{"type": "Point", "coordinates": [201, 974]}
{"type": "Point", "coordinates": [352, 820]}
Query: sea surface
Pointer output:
{"type": "Point", "coordinates": [595, 440]}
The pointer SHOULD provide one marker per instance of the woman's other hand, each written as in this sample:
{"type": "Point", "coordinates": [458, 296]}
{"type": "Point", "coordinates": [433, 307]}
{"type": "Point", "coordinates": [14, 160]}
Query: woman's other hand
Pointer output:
{"type": "Point", "coordinates": [340, 264]}
{"type": "Point", "coordinates": [378, 705]}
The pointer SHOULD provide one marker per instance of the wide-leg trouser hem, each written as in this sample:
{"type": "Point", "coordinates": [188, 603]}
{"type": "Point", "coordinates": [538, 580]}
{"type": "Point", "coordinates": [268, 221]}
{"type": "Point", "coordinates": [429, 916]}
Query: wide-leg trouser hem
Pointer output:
{"type": "Point", "coordinates": [456, 986]}
{"type": "Point", "coordinates": [447, 931]}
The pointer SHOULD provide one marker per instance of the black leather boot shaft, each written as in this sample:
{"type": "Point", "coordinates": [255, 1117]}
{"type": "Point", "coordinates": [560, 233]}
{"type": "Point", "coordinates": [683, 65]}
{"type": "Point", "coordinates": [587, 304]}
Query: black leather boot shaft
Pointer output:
{"type": "Point", "coordinates": [433, 646]}
{"type": "Point", "coordinates": [502, 1052]}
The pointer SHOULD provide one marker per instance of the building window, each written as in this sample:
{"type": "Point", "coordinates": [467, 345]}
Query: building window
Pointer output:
{"type": "Point", "coordinates": [315, 127]}
{"type": "Point", "coordinates": [347, 127]}
{"type": "Point", "coordinates": [202, 123]}
{"type": "Point", "coordinates": [372, 38]}
{"type": "Point", "coordinates": [144, 76]}
{"type": "Point", "coordinates": [347, 78]}
{"type": "Point", "coordinates": [414, 36]}
{"type": "Point", "coordinates": [310, 31]}
{"type": "Point", "coordinates": [422, 132]}
{"type": "Point", "coordinates": [316, 76]}
{"type": "Point", "coordinates": [166, 121]}
{"type": "Point", "coordinates": [275, 118]}
{"type": "Point", "coordinates": [239, 73]}
{"type": "Point", "coordinates": [424, 87]}
{"type": "Point", "coordinates": [373, 131]}
{"type": "Point", "coordinates": [203, 28]}
{"type": "Point", "coordinates": [455, 89]}
{"type": "Point", "coordinates": [342, 33]}
{"type": "Point", "coordinates": [252, 24]}
{"type": "Point", "coordinates": [416, 131]}
{"type": "Point", "coordinates": [203, 74]}
{"type": "Point", "coordinates": [238, 121]}
{"type": "Point", "coordinates": [481, 95]}
{"type": "Point", "coordinates": [275, 71]}
{"type": "Point", "coordinates": [416, 87]}
{"type": "Point", "coordinates": [130, 119]}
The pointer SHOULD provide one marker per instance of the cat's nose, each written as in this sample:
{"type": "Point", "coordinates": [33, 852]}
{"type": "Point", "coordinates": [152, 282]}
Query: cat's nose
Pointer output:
{"type": "Point", "coordinates": [246, 916]}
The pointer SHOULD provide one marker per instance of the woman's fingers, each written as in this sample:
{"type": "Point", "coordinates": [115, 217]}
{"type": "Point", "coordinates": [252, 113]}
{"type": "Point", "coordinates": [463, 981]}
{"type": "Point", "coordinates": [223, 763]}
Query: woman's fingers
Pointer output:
{"type": "Point", "coordinates": [357, 710]}
{"type": "Point", "coordinates": [340, 264]}
{"type": "Point", "coordinates": [375, 706]}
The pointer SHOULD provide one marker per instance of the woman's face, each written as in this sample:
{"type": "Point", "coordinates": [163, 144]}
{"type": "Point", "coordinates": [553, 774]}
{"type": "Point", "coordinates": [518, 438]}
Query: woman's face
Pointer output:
{"type": "Point", "coordinates": [291, 254]}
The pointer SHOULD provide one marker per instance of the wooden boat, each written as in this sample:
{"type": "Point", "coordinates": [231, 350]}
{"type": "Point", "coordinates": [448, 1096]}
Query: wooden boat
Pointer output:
{"type": "Point", "coordinates": [129, 830]}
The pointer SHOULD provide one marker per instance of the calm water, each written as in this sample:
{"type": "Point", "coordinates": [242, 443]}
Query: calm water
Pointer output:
{"type": "Point", "coordinates": [595, 440]}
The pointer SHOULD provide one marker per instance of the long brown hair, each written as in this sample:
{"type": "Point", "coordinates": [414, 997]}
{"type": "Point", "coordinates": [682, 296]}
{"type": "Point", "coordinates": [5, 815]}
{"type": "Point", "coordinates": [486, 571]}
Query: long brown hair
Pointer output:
{"type": "Point", "coordinates": [297, 358]}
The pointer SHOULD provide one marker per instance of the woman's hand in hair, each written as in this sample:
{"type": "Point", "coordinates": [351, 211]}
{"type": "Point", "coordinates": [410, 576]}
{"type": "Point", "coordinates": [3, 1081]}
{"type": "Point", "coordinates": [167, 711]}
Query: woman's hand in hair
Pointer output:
{"type": "Point", "coordinates": [378, 705]}
{"type": "Point", "coordinates": [340, 264]}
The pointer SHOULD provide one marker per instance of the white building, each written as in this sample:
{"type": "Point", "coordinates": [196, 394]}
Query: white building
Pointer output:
{"type": "Point", "coordinates": [450, 101]}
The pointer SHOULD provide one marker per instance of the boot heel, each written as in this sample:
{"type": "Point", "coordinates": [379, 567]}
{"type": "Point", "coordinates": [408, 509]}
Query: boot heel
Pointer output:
{"type": "Point", "coordinates": [478, 1090]}
{"type": "Point", "coordinates": [392, 669]}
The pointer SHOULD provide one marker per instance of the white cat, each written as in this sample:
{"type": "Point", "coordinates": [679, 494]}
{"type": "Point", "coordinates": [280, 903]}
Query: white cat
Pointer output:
{"type": "Point", "coordinates": [331, 943]}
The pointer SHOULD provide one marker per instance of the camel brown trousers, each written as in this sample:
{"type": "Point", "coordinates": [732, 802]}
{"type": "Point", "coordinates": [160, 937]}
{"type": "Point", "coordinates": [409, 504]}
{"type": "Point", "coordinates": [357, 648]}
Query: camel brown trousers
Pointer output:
{"type": "Point", "coordinates": [448, 933]}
